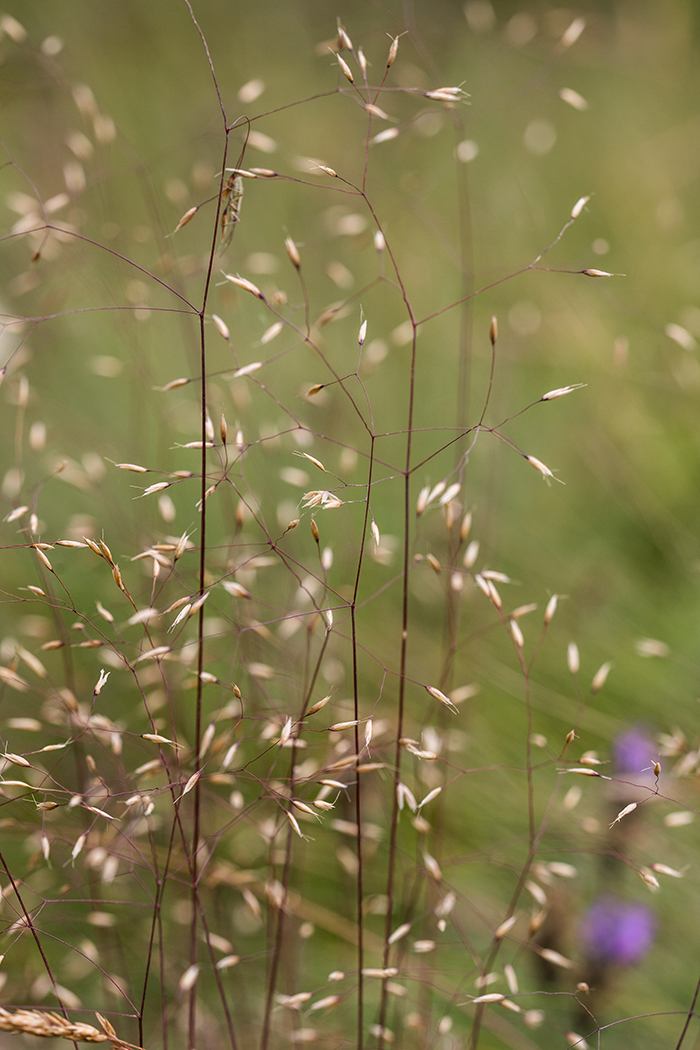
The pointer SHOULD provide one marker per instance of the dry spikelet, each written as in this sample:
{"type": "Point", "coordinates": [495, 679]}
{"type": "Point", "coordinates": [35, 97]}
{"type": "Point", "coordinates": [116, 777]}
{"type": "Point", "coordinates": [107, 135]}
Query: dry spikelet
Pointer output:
{"type": "Point", "coordinates": [344, 40]}
{"type": "Point", "coordinates": [651, 880]}
{"type": "Point", "coordinates": [600, 273]}
{"type": "Point", "coordinates": [450, 493]}
{"type": "Point", "coordinates": [221, 326]}
{"type": "Point", "coordinates": [579, 205]}
{"type": "Point", "coordinates": [438, 695]}
{"type": "Point", "coordinates": [572, 34]}
{"type": "Point", "coordinates": [572, 658]}
{"type": "Point", "coordinates": [173, 384]}
{"type": "Point", "coordinates": [432, 867]}
{"type": "Point", "coordinates": [17, 760]}
{"type": "Point", "coordinates": [542, 468]}
{"type": "Point", "coordinates": [375, 111]}
{"type": "Point", "coordinates": [556, 958]}
{"type": "Point", "coordinates": [117, 576]}
{"type": "Point", "coordinates": [600, 677]}
{"type": "Point", "coordinates": [517, 634]}
{"type": "Point", "coordinates": [42, 557]}
{"type": "Point", "coordinates": [317, 707]}
{"type": "Point", "coordinates": [503, 929]}
{"type": "Point", "coordinates": [286, 732]}
{"type": "Point", "coordinates": [272, 332]}
{"type": "Point", "coordinates": [158, 487]}
{"type": "Point", "coordinates": [523, 610]}
{"type": "Point", "coordinates": [16, 513]}
{"type": "Point", "coordinates": [190, 783]}
{"type": "Point", "coordinates": [663, 869]}
{"type": "Point", "coordinates": [247, 369]}
{"type": "Point", "coordinates": [187, 217]}
{"type": "Point", "coordinates": [245, 284]}
{"type": "Point", "coordinates": [293, 252]}
{"type": "Point", "coordinates": [493, 594]}
{"type": "Point", "coordinates": [153, 654]}
{"type": "Point", "coordinates": [107, 552]}
{"type": "Point", "coordinates": [623, 813]}
{"type": "Point", "coordinates": [422, 501]}
{"type": "Point", "coordinates": [294, 823]}
{"type": "Point", "coordinates": [345, 69]}
{"type": "Point", "coordinates": [104, 675]}
{"type": "Point", "coordinates": [511, 978]}
{"type": "Point", "coordinates": [429, 797]}
{"type": "Point", "coordinates": [434, 563]}
{"type": "Point", "coordinates": [189, 978]}
{"type": "Point", "coordinates": [445, 94]}
{"type": "Point", "coordinates": [293, 1002]}
{"type": "Point", "coordinates": [471, 554]}
{"type": "Point", "coordinates": [551, 609]}
{"type": "Point", "coordinates": [393, 50]}
{"type": "Point", "coordinates": [207, 737]}
{"type": "Point", "coordinates": [326, 1003]}
{"type": "Point", "coordinates": [399, 932]}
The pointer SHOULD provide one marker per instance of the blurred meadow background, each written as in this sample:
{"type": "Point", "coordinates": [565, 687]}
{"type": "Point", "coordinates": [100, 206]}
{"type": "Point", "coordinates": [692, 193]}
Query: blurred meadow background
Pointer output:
{"type": "Point", "coordinates": [371, 522]}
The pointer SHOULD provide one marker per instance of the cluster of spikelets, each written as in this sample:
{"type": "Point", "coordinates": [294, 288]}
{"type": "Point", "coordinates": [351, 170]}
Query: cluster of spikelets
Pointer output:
{"type": "Point", "coordinates": [53, 1026]}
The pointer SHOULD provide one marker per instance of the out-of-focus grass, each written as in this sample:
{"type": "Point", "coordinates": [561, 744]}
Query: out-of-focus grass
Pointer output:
{"type": "Point", "coordinates": [619, 540]}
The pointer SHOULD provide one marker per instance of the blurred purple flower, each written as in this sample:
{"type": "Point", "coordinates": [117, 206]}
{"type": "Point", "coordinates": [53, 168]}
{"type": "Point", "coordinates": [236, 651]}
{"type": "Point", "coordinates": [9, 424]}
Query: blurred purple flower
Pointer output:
{"type": "Point", "coordinates": [633, 751]}
{"type": "Point", "coordinates": [618, 932]}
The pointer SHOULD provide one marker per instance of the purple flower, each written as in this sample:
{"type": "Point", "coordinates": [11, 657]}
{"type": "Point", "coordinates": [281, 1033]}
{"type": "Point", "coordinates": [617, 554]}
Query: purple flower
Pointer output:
{"type": "Point", "coordinates": [618, 932]}
{"type": "Point", "coordinates": [633, 751]}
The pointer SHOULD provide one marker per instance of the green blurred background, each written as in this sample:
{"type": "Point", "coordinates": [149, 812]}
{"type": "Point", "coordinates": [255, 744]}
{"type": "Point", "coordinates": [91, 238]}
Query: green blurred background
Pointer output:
{"type": "Point", "coordinates": [466, 195]}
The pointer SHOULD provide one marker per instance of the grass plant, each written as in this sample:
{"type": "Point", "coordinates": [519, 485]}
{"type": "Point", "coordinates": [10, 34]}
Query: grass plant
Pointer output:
{"type": "Point", "coordinates": [297, 746]}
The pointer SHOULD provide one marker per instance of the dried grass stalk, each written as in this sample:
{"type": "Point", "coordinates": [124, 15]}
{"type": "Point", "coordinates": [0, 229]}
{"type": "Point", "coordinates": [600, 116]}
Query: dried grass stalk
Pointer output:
{"type": "Point", "coordinates": [52, 1026]}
